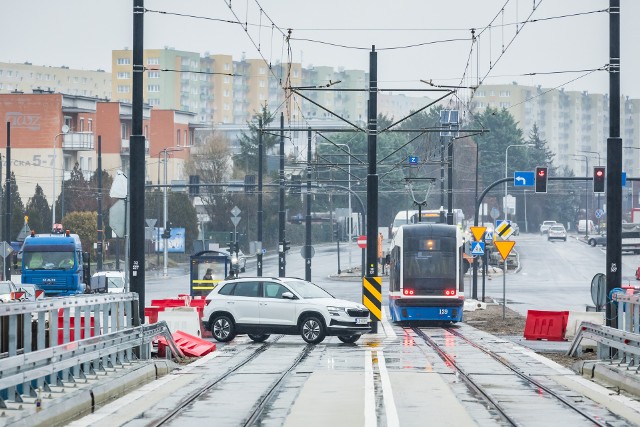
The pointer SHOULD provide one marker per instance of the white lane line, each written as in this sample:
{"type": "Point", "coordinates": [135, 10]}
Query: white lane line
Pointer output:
{"type": "Point", "coordinates": [370, 418]}
{"type": "Point", "coordinates": [386, 325]}
{"type": "Point", "coordinates": [387, 393]}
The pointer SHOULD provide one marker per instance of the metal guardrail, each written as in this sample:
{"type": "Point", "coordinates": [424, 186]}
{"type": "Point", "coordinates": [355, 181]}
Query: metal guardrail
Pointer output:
{"type": "Point", "coordinates": [56, 339]}
{"type": "Point", "coordinates": [625, 339]}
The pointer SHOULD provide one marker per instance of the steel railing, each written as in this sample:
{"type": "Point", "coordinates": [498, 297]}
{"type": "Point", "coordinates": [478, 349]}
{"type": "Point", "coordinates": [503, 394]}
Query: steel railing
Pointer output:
{"type": "Point", "coordinates": [58, 339]}
{"type": "Point", "coordinates": [621, 344]}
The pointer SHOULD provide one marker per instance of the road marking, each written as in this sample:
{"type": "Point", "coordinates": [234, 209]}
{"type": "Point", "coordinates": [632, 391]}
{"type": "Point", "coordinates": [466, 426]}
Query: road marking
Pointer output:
{"type": "Point", "coordinates": [370, 419]}
{"type": "Point", "coordinates": [387, 392]}
{"type": "Point", "coordinates": [388, 328]}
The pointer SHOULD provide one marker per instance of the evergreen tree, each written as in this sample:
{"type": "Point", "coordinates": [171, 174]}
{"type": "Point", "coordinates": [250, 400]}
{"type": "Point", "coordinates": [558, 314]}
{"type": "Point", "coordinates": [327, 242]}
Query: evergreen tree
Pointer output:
{"type": "Point", "coordinates": [246, 162]}
{"type": "Point", "coordinates": [75, 194]}
{"type": "Point", "coordinates": [17, 209]}
{"type": "Point", "coordinates": [39, 212]}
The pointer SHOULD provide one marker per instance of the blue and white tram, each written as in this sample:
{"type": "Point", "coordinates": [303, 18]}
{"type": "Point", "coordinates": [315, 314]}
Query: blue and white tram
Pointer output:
{"type": "Point", "coordinates": [426, 279]}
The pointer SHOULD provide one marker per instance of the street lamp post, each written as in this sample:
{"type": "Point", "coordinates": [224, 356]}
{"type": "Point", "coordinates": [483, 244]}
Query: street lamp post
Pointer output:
{"type": "Point", "coordinates": [64, 130]}
{"type": "Point", "coordinates": [165, 252]}
{"type": "Point", "coordinates": [506, 163]}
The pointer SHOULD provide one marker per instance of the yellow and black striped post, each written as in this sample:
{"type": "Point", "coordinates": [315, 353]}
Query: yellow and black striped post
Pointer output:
{"type": "Point", "coordinates": [372, 299]}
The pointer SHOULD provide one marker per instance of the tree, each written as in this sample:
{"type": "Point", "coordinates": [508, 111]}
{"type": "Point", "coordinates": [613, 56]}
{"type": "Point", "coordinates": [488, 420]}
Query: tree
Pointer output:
{"type": "Point", "coordinates": [84, 225]}
{"type": "Point", "coordinates": [75, 194]}
{"type": "Point", "coordinates": [247, 160]}
{"type": "Point", "coordinates": [17, 209]}
{"type": "Point", "coordinates": [39, 212]}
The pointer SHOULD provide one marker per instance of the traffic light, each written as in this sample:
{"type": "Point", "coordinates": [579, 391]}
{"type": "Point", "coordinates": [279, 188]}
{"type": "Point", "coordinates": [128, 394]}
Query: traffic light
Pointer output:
{"type": "Point", "coordinates": [335, 231]}
{"type": "Point", "coordinates": [599, 177]}
{"type": "Point", "coordinates": [249, 183]}
{"type": "Point", "coordinates": [194, 187]}
{"type": "Point", "coordinates": [296, 184]}
{"type": "Point", "coordinates": [541, 179]}
{"type": "Point", "coordinates": [286, 245]}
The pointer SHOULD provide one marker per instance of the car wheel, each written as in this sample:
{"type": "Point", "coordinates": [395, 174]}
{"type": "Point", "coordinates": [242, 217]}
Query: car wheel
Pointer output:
{"type": "Point", "coordinates": [565, 239]}
{"type": "Point", "coordinates": [312, 330]}
{"type": "Point", "coordinates": [349, 339]}
{"type": "Point", "coordinates": [592, 243]}
{"type": "Point", "coordinates": [259, 338]}
{"type": "Point", "coordinates": [222, 328]}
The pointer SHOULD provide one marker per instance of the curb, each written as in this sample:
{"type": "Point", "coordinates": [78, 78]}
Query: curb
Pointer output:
{"type": "Point", "coordinates": [611, 375]}
{"type": "Point", "coordinates": [84, 399]}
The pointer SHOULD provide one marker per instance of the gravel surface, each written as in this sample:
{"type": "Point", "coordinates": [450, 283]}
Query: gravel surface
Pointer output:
{"type": "Point", "coordinates": [490, 320]}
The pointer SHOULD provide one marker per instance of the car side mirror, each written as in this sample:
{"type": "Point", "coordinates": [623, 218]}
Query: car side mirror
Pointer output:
{"type": "Point", "coordinates": [287, 295]}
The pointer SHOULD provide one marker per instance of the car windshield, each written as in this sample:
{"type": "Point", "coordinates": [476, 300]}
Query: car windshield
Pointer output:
{"type": "Point", "coordinates": [307, 289]}
{"type": "Point", "coordinates": [5, 288]}
{"type": "Point", "coordinates": [116, 283]}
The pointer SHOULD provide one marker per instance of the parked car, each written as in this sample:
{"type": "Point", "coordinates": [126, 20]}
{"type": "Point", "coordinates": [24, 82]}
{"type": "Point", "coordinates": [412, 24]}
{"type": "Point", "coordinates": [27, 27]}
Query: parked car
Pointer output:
{"type": "Point", "coordinates": [557, 232]}
{"type": "Point", "coordinates": [544, 227]}
{"type": "Point", "coordinates": [598, 240]}
{"type": "Point", "coordinates": [6, 290]}
{"type": "Point", "coordinates": [111, 282]}
{"type": "Point", "coordinates": [261, 306]}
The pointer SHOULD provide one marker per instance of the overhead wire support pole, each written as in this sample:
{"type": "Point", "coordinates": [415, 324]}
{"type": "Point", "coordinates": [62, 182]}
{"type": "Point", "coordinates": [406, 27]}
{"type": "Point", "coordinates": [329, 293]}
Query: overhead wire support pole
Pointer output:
{"type": "Point", "coordinates": [281, 222]}
{"type": "Point", "coordinates": [260, 211]}
{"type": "Point", "coordinates": [370, 298]}
{"type": "Point", "coordinates": [613, 267]}
{"type": "Point", "coordinates": [307, 229]}
{"type": "Point", "coordinates": [137, 163]}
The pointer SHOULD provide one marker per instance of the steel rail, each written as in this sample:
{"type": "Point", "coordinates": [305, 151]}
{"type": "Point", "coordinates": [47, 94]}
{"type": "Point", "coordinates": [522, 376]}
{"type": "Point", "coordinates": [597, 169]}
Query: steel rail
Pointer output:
{"type": "Point", "coordinates": [527, 378]}
{"type": "Point", "coordinates": [196, 394]}
{"type": "Point", "coordinates": [465, 377]}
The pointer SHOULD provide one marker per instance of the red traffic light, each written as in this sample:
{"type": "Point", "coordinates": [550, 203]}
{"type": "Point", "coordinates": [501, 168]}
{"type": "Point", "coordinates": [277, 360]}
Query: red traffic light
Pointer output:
{"type": "Point", "coordinates": [541, 172]}
{"type": "Point", "coordinates": [599, 172]}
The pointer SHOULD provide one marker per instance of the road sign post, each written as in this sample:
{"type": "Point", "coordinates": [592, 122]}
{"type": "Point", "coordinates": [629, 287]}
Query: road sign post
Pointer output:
{"type": "Point", "coordinates": [504, 247]}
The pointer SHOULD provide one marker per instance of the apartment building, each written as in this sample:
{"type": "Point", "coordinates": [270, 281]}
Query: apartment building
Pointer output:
{"type": "Point", "coordinates": [27, 77]}
{"type": "Point", "coordinates": [571, 122]}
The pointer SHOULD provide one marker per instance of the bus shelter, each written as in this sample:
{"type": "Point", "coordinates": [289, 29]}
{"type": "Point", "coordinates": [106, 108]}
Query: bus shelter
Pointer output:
{"type": "Point", "coordinates": [208, 268]}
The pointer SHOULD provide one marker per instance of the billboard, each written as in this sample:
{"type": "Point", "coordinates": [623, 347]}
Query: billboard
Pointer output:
{"type": "Point", "coordinates": [175, 243]}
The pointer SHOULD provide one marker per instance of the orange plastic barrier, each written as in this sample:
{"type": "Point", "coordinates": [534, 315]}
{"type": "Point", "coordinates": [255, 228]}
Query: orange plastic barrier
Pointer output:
{"type": "Point", "coordinates": [189, 344]}
{"type": "Point", "coordinates": [546, 325]}
{"type": "Point", "coordinates": [169, 302]}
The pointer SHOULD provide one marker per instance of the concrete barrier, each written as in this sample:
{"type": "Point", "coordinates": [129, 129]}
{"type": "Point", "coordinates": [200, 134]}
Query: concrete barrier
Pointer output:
{"type": "Point", "coordinates": [573, 323]}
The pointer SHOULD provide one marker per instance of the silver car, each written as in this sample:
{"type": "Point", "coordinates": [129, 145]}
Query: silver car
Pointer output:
{"type": "Point", "coordinates": [557, 232]}
{"type": "Point", "coordinates": [544, 227]}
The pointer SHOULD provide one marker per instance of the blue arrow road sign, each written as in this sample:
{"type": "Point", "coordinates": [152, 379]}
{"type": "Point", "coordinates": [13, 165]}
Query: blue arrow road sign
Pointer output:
{"type": "Point", "coordinates": [524, 179]}
{"type": "Point", "coordinates": [477, 248]}
{"type": "Point", "coordinates": [413, 160]}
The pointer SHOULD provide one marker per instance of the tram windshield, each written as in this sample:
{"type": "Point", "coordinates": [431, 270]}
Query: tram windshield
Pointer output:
{"type": "Point", "coordinates": [429, 258]}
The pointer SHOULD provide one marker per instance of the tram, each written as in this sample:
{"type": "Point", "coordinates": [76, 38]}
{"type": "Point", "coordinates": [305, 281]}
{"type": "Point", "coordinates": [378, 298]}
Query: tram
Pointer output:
{"type": "Point", "coordinates": [426, 278]}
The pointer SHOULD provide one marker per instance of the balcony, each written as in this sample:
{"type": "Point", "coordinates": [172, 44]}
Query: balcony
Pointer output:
{"type": "Point", "coordinates": [125, 148]}
{"type": "Point", "coordinates": [78, 141]}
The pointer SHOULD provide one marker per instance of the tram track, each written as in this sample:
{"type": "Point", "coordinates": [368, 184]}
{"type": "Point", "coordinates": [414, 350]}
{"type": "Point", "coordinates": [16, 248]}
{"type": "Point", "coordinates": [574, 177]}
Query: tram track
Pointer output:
{"type": "Point", "coordinates": [257, 411]}
{"type": "Point", "coordinates": [474, 385]}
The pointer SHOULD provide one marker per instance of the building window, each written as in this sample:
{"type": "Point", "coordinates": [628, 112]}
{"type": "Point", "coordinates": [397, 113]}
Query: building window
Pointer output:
{"type": "Point", "coordinates": [124, 89]}
{"type": "Point", "coordinates": [178, 137]}
{"type": "Point", "coordinates": [505, 93]}
{"type": "Point", "coordinates": [226, 107]}
{"type": "Point", "coordinates": [226, 66]}
{"type": "Point", "coordinates": [226, 93]}
{"type": "Point", "coordinates": [153, 61]}
{"type": "Point", "coordinates": [153, 88]}
{"type": "Point", "coordinates": [124, 61]}
{"type": "Point", "coordinates": [124, 75]}
{"type": "Point", "coordinates": [505, 104]}
{"type": "Point", "coordinates": [154, 102]}
{"type": "Point", "coordinates": [262, 70]}
{"type": "Point", "coordinates": [262, 83]}
{"type": "Point", "coordinates": [153, 74]}
{"type": "Point", "coordinates": [226, 79]}
{"type": "Point", "coordinates": [123, 131]}
{"type": "Point", "coordinates": [81, 125]}
{"type": "Point", "coordinates": [90, 125]}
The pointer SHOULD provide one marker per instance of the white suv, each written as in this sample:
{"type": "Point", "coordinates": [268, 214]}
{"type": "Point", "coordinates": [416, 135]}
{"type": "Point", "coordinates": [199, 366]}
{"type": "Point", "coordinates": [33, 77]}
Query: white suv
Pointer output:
{"type": "Point", "coordinates": [260, 306]}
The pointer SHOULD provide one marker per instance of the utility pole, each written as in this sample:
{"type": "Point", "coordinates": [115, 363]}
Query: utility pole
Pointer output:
{"type": "Point", "coordinates": [137, 163]}
{"type": "Point", "coordinates": [613, 267]}
{"type": "Point", "coordinates": [282, 246]}
{"type": "Point", "coordinates": [260, 212]}
{"type": "Point", "coordinates": [100, 230]}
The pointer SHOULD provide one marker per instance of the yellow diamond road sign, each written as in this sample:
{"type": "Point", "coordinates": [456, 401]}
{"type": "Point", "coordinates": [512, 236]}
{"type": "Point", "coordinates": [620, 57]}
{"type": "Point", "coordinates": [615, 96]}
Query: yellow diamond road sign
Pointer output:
{"type": "Point", "coordinates": [504, 230]}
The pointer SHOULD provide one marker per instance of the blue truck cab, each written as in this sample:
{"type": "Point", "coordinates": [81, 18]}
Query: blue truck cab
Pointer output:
{"type": "Point", "coordinates": [54, 262]}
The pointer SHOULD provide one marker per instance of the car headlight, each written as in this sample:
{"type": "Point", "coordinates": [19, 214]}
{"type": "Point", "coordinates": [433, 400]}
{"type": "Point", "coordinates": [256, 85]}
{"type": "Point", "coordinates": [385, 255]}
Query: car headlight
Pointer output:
{"type": "Point", "coordinates": [335, 311]}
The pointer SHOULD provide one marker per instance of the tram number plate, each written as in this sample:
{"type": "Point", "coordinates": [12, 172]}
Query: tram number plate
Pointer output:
{"type": "Point", "coordinates": [443, 311]}
{"type": "Point", "coordinates": [362, 321]}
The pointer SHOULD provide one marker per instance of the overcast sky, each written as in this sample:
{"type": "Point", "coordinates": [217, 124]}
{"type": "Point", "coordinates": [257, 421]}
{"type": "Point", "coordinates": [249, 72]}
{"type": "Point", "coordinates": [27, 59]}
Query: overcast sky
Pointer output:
{"type": "Point", "coordinates": [81, 34]}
